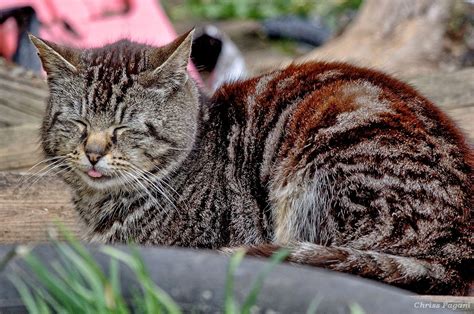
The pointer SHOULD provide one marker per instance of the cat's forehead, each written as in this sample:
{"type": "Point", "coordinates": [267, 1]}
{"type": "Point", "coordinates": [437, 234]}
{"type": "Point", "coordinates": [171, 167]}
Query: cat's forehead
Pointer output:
{"type": "Point", "coordinates": [109, 73]}
{"type": "Point", "coordinates": [122, 55]}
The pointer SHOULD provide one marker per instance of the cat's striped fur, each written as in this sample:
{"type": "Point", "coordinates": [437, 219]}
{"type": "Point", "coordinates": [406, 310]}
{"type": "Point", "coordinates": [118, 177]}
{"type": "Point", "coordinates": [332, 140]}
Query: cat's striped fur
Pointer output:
{"type": "Point", "coordinates": [352, 169]}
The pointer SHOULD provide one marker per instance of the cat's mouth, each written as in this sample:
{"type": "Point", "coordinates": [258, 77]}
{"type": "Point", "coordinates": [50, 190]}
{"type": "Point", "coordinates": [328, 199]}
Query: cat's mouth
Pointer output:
{"type": "Point", "coordinates": [96, 175]}
{"type": "Point", "coordinates": [98, 179]}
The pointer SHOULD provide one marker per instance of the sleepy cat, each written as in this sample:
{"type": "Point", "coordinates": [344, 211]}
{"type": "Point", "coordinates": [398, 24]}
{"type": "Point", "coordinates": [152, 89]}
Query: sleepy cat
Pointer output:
{"type": "Point", "coordinates": [351, 169]}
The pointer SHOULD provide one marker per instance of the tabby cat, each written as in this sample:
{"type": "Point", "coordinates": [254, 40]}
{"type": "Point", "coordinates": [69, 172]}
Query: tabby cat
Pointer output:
{"type": "Point", "coordinates": [351, 169]}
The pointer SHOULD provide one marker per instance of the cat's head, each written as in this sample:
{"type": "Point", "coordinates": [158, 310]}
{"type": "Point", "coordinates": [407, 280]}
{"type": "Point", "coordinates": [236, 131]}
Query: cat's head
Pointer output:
{"type": "Point", "coordinates": [118, 112]}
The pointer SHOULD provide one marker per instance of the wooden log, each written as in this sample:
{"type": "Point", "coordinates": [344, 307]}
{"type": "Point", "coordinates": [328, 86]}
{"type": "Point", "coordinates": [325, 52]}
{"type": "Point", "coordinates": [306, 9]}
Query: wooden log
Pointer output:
{"type": "Point", "coordinates": [11, 72]}
{"type": "Point", "coordinates": [403, 36]}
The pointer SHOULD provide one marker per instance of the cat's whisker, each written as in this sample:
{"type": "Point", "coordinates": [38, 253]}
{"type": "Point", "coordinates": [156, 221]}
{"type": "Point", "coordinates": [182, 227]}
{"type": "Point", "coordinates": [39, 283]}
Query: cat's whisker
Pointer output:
{"type": "Point", "coordinates": [143, 187]}
{"type": "Point", "coordinates": [153, 185]}
{"type": "Point", "coordinates": [151, 179]}
{"type": "Point", "coordinates": [155, 177]}
{"type": "Point", "coordinates": [155, 180]}
{"type": "Point", "coordinates": [162, 180]}
{"type": "Point", "coordinates": [156, 187]}
{"type": "Point", "coordinates": [51, 171]}
{"type": "Point", "coordinates": [43, 175]}
{"type": "Point", "coordinates": [40, 172]}
{"type": "Point", "coordinates": [177, 148]}
{"type": "Point", "coordinates": [44, 161]}
{"type": "Point", "coordinates": [62, 171]}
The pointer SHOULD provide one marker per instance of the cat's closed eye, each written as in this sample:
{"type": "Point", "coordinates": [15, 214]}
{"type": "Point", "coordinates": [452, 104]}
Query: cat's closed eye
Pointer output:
{"type": "Point", "coordinates": [81, 124]}
{"type": "Point", "coordinates": [117, 131]}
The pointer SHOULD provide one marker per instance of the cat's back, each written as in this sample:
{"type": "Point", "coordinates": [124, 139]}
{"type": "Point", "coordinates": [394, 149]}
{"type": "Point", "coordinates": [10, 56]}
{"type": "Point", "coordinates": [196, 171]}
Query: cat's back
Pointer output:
{"type": "Point", "coordinates": [338, 102]}
{"type": "Point", "coordinates": [381, 147]}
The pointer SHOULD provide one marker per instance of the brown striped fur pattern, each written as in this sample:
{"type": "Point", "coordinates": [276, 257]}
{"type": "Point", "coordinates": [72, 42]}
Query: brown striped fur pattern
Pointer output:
{"type": "Point", "coordinates": [353, 170]}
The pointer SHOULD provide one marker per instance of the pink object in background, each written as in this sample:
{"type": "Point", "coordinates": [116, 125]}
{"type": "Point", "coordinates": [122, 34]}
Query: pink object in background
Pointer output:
{"type": "Point", "coordinates": [92, 23]}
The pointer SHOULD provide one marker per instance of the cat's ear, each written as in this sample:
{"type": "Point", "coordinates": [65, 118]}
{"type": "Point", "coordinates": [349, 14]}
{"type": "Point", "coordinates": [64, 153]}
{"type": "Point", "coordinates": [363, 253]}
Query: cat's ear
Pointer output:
{"type": "Point", "coordinates": [57, 60]}
{"type": "Point", "coordinates": [168, 64]}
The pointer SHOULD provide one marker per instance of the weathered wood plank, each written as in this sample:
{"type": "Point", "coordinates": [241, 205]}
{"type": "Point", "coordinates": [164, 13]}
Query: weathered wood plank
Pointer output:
{"type": "Point", "coordinates": [19, 146]}
{"type": "Point", "coordinates": [23, 100]}
{"type": "Point", "coordinates": [28, 212]}
{"type": "Point", "coordinates": [448, 90]}
{"type": "Point", "coordinates": [22, 96]}
{"type": "Point", "coordinates": [9, 116]}
{"type": "Point", "coordinates": [12, 72]}
{"type": "Point", "coordinates": [464, 118]}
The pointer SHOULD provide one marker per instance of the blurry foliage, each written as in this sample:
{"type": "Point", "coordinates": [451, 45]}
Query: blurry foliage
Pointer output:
{"type": "Point", "coordinates": [460, 33]}
{"type": "Point", "coordinates": [337, 13]}
{"type": "Point", "coordinates": [242, 9]}
{"type": "Point", "coordinates": [461, 23]}
{"type": "Point", "coordinates": [257, 9]}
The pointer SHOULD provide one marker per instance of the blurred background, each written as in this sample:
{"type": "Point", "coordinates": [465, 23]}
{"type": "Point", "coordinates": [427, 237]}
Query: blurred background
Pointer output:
{"type": "Point", "coordinates": [246, 37]}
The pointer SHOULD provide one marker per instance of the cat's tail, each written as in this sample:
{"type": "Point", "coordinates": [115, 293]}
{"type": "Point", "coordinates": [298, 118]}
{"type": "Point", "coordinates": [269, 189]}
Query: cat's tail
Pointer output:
{"type": "Point", "coordinates": [418, 275]}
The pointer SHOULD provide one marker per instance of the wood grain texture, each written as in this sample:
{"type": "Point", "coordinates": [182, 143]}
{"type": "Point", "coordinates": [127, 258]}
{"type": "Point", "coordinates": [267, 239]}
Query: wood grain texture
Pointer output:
{"type": "Point", "coordinates": [448, 90]}
{"type": "Point", "coordinates": [19, 146]}
{"type": "Point", "coordinates": [23, 95]}
{"type": "Point", "coordinates": [28, 212]}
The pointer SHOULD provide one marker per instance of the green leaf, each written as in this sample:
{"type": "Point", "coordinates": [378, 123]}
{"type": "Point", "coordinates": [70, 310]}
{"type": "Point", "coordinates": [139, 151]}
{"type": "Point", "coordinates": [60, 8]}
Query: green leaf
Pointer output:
{"type": "Point", "coordinates": [82, 251]}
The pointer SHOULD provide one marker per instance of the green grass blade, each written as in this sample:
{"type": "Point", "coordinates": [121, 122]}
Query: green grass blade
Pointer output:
{"type": "Point", "coordinates": [158, 294]}
{"type": "Point", "coordinates": [116, 290]}
{"type": "Point", "coordinates": [82, 251]}
{"type": "Point", "coordinates": [69, 267]}
{"type": "Point", "coordinates": [155, 298]}
{"type": "Point", "coordinates": [43, 307]}
{"type": "Point", "coordinates": [55, 287]}
{"type": "Point", "coordinates": [230, 306]}
{"type": "Point", "coordinates": [28, 300]}
{"type": "Point", "coordinates": [313, 306]}
{"type": "Point", "coordinates": [92, 274]}
{"type": "Point", "coordinates": [114, 275]}
{"type": "Point", "coordinates": [7, 258]}
{"type": "Point", "coordinates": [38, 291]}
{"type": "Point", "coordinates": [251, 299]}
{"type": "Point", "coordinates": [76, 286]}
{"type": "Point", "coordinates": [355, 308]}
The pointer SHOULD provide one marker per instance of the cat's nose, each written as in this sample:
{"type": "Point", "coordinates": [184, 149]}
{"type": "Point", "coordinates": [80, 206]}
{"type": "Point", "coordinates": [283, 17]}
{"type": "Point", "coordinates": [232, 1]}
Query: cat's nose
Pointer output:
{"type": "Point", "coordinates": [93, 157]}
{"type": "Point", "coordinates": [96, 146]}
